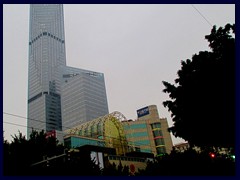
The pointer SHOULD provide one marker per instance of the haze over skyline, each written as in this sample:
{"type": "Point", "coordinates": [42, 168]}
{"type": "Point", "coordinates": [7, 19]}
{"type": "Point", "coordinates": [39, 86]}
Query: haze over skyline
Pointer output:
{"type": "Point", "coordinates": [136, 46]}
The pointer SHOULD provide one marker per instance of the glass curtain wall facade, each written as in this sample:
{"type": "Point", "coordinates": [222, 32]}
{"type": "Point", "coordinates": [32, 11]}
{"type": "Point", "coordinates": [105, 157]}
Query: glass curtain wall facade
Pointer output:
{"type": "Point", "coordinates": [83, 96]}
{"type": "Point", "coordinates": [58, 96]}
{"type": "Point", "coordinates": [46, 55]}
{"type": "Point", "coordinates": [137, 134]}
{"type": "Point", "coordinates": [158, 138]}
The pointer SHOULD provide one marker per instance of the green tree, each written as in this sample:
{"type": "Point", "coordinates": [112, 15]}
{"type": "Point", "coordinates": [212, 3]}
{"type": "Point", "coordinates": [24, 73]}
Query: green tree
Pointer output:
{"type": "Point", "coordinates": [41, 146]}
{"type": "Point", "coordinates": [21, 153]}
{"type": "Point", "coordinates": [6, 157]}
{"type": "Point", "coordinates": [18, 155]}
{"type": "Point", "coordinates": [116, 170]}
{"type": "Point", "coordinates": [202, 98]}
{"type": "Point", "coordinates": [188, 163]}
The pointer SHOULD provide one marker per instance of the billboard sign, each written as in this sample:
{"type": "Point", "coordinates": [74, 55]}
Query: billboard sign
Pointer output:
{"type": "Point", "coordinates": [142, 112]}
{"type": "Point", "coordinates": [51, 134]}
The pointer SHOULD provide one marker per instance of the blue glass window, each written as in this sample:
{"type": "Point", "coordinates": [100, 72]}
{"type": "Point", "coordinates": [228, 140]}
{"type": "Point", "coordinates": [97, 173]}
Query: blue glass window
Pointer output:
{"type": "Point", "coordinates": [161, 150]}
{"type": "Point", "coordinates": [139, 134]}
{"type": "Point", "coordinates": [157, 133]}
{"type": "Point", "coordinates": [159, 141]}
{"type": "Point", "coordinates": [156, 125]}
{"type": "Point", "coordinates": [142, 142]}
{"type": "Point", "coordinates": [135, 126]}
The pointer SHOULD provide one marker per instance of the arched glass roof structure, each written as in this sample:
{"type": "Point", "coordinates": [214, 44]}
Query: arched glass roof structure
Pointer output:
{"type": "Point", "coordinates": [108, 128]}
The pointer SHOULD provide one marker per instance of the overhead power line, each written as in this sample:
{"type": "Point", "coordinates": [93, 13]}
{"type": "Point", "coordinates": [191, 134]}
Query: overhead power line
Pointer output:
{"type": "Point", "coordinates": [136, 143]}
{"type": "Point", "coordinates": [202, 15]}
{"type": "Point", "coordinates": [10, 114]}
{"type": "Point", "coordinates": [14, 124]}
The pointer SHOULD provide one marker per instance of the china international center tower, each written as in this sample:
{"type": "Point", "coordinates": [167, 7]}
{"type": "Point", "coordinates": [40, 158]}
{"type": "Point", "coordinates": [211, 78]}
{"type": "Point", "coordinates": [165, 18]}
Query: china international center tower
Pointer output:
{"type": "Point", "coordinates": [59, 96]}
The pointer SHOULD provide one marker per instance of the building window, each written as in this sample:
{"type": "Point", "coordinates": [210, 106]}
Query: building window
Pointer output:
{"type": "Point", "coordinates": [161, 150]}
{"type": "Point", "coordinates": [142, 142]}
{"type": "Point", "coordinates": [157, 133]}
{"type": "Point", "coordinates": [139, 134]}
{"type": "Point", "coordinates": [137, 149]}
{"type": "Point", "coordinates": [159, 141]}
{"type": "Point", "coordinates": [138, 126]}
{"type": "Point", "coordinates": [156, 125]}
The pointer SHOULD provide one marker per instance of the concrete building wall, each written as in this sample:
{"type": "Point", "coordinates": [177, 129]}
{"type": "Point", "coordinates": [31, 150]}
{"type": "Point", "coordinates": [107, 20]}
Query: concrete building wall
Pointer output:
{"type": "Point", "coordinates": [157, 138]}
{"type": "Point", "coordinates": [166, 135]}
{"type": "Point", "coordinates": [137, 133]}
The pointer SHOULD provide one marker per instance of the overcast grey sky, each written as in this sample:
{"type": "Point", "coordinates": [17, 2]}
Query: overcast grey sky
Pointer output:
{"type": "Point", "coordinates": [135, 46]}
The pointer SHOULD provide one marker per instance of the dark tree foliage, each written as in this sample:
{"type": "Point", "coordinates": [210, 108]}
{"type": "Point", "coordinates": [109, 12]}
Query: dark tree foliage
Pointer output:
{"type": "Point", "coordinates": [21, 153]}
{"type": "Point", "coordinates": [114, 170]}
{"type": "Point", "coordinates": [202, 101]}
{"type": "Point", "coordinates": [21, 156]}
{"type": "Point", "coordinates": [76, 164]}
{"type": "Point", "coordinates": [189, 163]}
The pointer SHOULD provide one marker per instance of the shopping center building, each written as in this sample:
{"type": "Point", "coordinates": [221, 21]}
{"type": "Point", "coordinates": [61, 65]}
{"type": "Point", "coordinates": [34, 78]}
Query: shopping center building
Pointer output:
{"type": "Point", "coordinates": [103, 133]}
{"type": "Point", "coordinates": [149, 133]}
{"type": "Point", "coordinates": [132, 143]}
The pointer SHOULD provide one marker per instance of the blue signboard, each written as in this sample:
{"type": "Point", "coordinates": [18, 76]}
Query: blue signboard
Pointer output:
{"type": "Point", "coordinates": [142, 112]}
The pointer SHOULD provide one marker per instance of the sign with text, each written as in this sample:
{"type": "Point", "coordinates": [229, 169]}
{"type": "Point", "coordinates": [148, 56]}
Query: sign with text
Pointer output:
{"type": "Point", "coordinates": [142, 112]}
{"type": "Point", "coordinates": [51, 134]}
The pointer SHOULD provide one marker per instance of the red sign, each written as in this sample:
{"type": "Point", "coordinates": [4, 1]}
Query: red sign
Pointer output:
{"type": "Point", "coordinates": [51, 134]}
{"type": "Point", "coordinates": [132, 168]}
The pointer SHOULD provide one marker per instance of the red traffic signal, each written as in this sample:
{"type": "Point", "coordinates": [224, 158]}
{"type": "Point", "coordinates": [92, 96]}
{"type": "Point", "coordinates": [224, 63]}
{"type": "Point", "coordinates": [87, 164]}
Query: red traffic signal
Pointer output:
{"type": "Point", "coordinates": [212, 155]}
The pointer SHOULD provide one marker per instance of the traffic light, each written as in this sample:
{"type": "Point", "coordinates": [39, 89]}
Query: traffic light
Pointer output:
{"type": "Point", "coordinates": [212, 155]}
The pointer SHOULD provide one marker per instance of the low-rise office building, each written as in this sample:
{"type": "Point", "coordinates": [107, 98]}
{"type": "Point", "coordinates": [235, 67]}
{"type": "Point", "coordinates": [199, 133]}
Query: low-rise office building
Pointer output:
{"type": "Point", "coordinates": [148, 133]}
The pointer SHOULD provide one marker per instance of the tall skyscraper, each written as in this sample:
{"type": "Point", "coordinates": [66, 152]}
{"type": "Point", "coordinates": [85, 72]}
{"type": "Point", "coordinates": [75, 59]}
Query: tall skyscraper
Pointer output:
{"type": "Point", "coordinates": [47, 71]}
{"type": "Point", "coordinates": [83, 96]}
{"type": "Point", "coordinates": [46, 55]}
